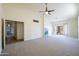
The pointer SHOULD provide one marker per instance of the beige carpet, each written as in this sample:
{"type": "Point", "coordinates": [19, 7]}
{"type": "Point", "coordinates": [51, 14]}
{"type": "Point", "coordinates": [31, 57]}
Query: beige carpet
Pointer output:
{"type": "Point", "coordinates": [49, 46]}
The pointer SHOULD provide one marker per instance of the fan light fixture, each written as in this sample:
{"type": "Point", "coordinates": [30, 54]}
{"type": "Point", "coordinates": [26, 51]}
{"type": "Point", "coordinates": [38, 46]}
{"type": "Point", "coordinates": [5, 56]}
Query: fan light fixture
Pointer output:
{"type": "Point", "coordinates": [46, 12]}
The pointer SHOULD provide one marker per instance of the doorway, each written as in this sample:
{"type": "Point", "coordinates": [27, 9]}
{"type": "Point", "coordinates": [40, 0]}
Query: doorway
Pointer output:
{"type": "Point", "coordinates": [61, 30]}
{"type": "Point", "coordinates": [14, 31]}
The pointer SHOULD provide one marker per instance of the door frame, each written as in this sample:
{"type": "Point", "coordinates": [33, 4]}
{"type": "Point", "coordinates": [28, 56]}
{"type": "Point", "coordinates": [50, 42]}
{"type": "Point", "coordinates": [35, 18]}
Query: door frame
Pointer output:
{"type": "Point", "coordinates": [3, 31]}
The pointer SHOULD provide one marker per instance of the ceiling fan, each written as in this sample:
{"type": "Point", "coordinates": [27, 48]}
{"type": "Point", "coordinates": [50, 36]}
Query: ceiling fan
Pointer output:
{"type": "Point", "coordinates": [47, 11]}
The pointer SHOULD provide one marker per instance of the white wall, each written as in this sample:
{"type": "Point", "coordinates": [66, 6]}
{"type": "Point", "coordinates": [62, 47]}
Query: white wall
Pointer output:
{"type": "Point", "coordinates": [0, 27]}
{"type": "Point", "coordinates": [24, 13]}
{"type": "Point", "coordinates": [78, 27]}
{"type": "Point", "coordinates": [73, 28]}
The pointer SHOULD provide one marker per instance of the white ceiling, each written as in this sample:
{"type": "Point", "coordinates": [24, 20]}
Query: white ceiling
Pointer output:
{"type": "Point", "coordinates": [63, 11]}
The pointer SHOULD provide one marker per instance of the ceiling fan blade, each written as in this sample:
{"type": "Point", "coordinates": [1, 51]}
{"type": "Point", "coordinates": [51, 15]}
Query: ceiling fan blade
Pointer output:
{"type": "Point", "coordinates": [51, 10]}
{"type": "Point", "coordinates": [49, 13]}
{"type": "Point", "coordinates": [41, 11]}
{"type": "Point", "coordinates": [46, 10]}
